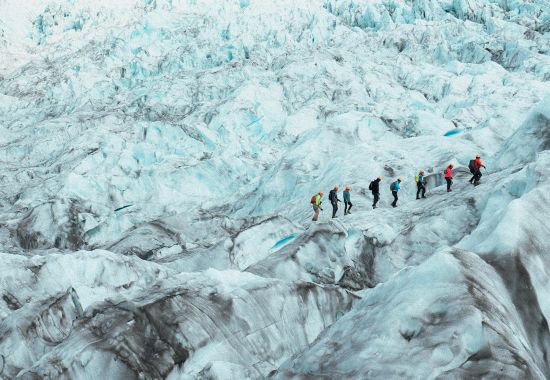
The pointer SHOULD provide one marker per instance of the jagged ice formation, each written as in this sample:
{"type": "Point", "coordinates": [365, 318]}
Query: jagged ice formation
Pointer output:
{"type": "Point", "coordinates": [157, 161]}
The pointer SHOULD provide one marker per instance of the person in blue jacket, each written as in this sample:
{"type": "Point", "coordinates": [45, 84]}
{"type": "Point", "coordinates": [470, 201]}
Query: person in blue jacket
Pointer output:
{"type": "Point", "coordinates": [394, 187]}
{"type": "Point", "coordinates": [347, 200]}
{"type": "Point", "coordinates": [420, 185]}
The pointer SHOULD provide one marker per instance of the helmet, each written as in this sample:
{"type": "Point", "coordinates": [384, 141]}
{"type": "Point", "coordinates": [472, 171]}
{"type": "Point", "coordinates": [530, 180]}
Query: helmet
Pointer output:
{"type": "Point", "coordinates": [399, 179]}
{"type": "Point", "coordinates": [451, 166]}
{"type": "Point", "coordinates": [421, 171]}
{"type": "Point", "coordinates": [378, 177]}
{"type": "Point", "coordinates": [478, 156]}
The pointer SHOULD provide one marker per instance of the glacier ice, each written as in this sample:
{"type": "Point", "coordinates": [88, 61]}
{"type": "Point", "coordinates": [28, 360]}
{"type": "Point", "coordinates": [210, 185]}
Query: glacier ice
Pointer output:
{"type": "Point", "coordinates": [450, 317]}
{"type": "Point", "coordinates": [157, 161]}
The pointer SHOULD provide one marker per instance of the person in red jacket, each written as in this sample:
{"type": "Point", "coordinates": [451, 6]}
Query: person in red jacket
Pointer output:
{"type": "Point", "coordinates": [478, 164]}
{"type": "Point", "coordinates": [449, 176]}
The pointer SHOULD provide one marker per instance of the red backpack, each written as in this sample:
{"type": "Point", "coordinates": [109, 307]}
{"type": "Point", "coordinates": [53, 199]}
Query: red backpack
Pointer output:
{"type": "Point", "coordinates": [314, 199]}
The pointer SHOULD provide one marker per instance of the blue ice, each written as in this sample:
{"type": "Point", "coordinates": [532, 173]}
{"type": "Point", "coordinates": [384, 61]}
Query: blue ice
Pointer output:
{"type": "Point", "coordinates": [452, 132]}
{"type": "Point", "coordinates": [284, 240]}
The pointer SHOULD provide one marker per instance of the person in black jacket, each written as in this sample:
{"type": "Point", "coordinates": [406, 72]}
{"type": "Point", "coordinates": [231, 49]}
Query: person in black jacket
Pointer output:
{"type": "Point", "coordinates": [374, 187]}
{"type": "Point", "coordinates": [333, 198]}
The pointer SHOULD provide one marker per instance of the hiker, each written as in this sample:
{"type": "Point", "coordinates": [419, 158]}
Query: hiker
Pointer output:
{"type": "Point", "coordinates": [347, 200]}
{"type": "Point", "coordinates": [374, 187]}
{"type": "Point", "coordinates": [449, 176]}
{"type": "Point", "coordinates": [316, 203]}
{"type": "Point", "coordinates": [333, 198]}
{"type": "Point", "coordinates": [420, 184]}
{"type": "Point", "coordinates": [394, 187]}
{"type": "Point", "coordinates": [475, 168]}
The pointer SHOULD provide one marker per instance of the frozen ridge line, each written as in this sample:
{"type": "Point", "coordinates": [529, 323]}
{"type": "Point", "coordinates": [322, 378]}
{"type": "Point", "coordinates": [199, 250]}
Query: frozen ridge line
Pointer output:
{"type": "Point", "coordinates": [216, 122]}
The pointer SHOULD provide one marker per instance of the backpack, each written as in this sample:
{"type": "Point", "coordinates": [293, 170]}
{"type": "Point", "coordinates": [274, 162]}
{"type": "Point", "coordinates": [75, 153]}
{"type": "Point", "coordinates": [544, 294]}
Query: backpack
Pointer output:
{"type": "Point", "coordinates": [416, 178]}
{"type": "Point", "coordinates": [370, 185]}
{"type": "Point", "coordinates": [472, 166]}
{"type": "Point", "coordinates": [314, 199]}
{"type": "Point", "coordinates": [392, 186]}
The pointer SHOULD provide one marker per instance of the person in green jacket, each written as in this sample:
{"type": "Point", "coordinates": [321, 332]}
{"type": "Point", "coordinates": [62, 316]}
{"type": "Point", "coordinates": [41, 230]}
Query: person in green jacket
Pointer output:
{"type": "Point", "coordinates": [316, 203]}
{"type": "Point", "coordinates": [420, 184]}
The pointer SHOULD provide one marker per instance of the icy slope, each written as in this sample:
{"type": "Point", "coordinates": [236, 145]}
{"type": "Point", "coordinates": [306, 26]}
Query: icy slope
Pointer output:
{"type": "Point", "coordinates": [499, 302]}
{"type": "Point", "coordinates": [158, 157]}
{"type": "Point", "coordinates": [154, 324]}
{"type": "Point", "coordinates": [450, 317]}
{"type": "Point", "coordinates": [456, 315]}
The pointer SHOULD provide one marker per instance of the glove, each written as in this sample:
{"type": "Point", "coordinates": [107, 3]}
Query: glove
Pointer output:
{"type": "Point", "coordinates": [320, 209]}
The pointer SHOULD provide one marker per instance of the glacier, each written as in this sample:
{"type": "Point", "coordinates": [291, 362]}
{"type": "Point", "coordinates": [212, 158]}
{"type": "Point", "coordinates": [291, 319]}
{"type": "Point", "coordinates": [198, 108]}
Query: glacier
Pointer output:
{"type": "Point", "coordinates": [157, 162]}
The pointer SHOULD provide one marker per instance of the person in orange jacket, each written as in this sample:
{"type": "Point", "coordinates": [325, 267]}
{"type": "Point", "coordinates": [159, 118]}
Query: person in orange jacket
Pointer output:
{"type": "Point", "coordinates": [478, 164]}
{"type": "Point", "coordinates": [449, 177]}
